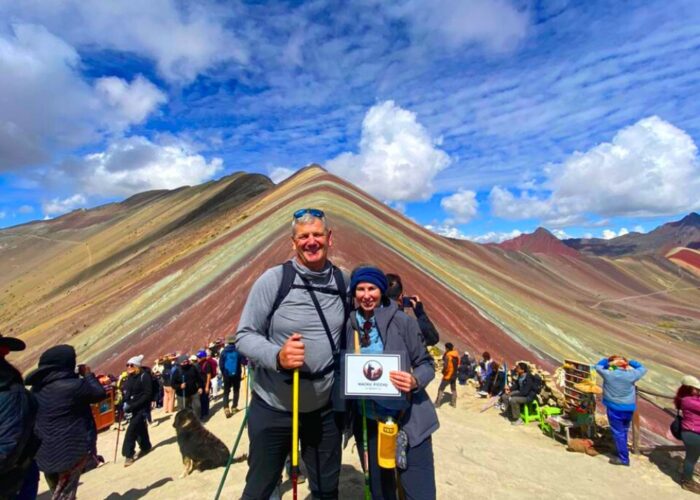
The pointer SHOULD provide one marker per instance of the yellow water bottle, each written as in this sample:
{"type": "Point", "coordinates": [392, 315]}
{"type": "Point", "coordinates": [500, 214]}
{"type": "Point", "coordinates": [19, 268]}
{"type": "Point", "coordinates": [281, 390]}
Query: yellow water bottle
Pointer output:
{"type": "Point", "coordinates": [386, 443]}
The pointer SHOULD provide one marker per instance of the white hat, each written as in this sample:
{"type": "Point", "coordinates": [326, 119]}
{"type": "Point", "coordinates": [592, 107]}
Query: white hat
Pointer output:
{"type": "Point", "coordinates": [691, 381]}
{"type": "Point", "coordinates": [194, 358]}
{"type": "Point", "coordinates": [136, 360]}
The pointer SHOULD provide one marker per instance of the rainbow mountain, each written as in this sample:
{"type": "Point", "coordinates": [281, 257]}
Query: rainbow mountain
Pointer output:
{"type": "Point", "coordinates": [167, 271]}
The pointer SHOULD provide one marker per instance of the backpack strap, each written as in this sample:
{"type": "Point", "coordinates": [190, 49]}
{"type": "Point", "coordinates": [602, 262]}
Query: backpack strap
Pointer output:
{"type": "Point", "coordinates": [288, 275]}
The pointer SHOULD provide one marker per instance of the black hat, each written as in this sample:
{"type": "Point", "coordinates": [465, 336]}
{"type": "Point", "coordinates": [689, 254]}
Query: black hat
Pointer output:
{"type": "Point", "coordinates": [12, 343]}
{"type": "Point", "coordinates": [57, 358]}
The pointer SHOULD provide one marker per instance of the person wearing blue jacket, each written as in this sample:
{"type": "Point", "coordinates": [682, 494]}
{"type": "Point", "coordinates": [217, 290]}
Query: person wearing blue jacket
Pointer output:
{"type": "Point", "coordinates": [620, 398]}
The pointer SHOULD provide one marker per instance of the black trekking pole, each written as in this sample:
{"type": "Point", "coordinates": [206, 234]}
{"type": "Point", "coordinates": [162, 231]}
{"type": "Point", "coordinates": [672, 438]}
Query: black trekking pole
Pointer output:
{"type": "Point", "coordinates": [235, 446]}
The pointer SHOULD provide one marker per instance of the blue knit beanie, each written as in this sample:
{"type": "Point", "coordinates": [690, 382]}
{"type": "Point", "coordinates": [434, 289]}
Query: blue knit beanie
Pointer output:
{"type": "Point", "coordinates": [368, 275]}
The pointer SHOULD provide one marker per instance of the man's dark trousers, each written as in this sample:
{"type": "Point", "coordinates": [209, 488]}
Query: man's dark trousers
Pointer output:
{"type": "Point", "coordinates": [270, 435]}
{"type": "Point", "coordinates": [136, 432]}
{"type": "Point", "coordinates": [232, 381]}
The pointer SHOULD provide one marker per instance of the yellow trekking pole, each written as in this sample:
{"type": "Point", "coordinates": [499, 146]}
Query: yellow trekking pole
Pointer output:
{"type": "Point", "coordinates": [295, 432]}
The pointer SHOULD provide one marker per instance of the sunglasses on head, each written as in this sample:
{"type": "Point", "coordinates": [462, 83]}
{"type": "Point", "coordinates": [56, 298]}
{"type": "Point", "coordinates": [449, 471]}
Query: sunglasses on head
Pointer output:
{"type": "Point", "coordinates": [311, 211]}
{"type": "Point", "coordinates": [364, 338]}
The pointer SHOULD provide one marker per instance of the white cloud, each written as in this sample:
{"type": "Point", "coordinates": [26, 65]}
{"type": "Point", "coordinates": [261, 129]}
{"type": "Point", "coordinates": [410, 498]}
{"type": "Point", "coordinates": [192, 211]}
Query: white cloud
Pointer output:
{"type": "Point", "coordinates": [609, 234]}
{"type": "Point", "coordinates": [278, 174]}
{"type": "Point", "coordinates": [398, 159]}
{"type": "Point", "coordinates": [495, 237]}
{"type": "Point", "coordinates": [649, 168]}
{"type": "Point", "coordinates": [561, 234]}
{"type": "Point", "coordinates": [184, 39]}
{"type": "Point", "coordinates": [59, 206]}
{"type": "Point", "coordinates": [133, 101]}
{"type": "Point", "coordinates": [3, 215]}
{"type": "Point", "coordinates": [26, 209]}
{"type": "Point", "coordinates": [525, 206]}
{"type": "Point", "coordinates": [461, 206]}
{"type": "Point", "coordinates": [136, 164]}
{"type": "Point", "coordinates": [638, 229]}
{"type": "Point", "coordinates": [48, 106]}
{"type": "Point", "coordinates": [447, 231]}
{"type": "Point", "coordinates": [494, 23]}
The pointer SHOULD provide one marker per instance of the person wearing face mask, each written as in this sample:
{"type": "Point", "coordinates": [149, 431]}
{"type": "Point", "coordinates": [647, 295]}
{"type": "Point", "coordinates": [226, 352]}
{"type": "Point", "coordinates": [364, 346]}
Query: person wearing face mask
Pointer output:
{"type": "Point", "coordinates": [376, 326]}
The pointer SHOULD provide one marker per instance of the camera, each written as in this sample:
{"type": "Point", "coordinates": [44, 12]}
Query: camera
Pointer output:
{"type": "Point", "coordinates": [406, 301]}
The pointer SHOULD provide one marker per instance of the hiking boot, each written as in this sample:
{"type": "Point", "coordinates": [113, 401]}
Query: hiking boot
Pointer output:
{"type": "Point", "coordinates": [517, 422]}
{"type": "Point", "coordinates": [453, 400]}
{"type": "Point", "coordinates": [128, 462]}
{"type": "Point", "coordinates": [438, 399]}
{"type": "Point", "coordinates": [142, 453]}
{"type": "Point", "coordinates": [227, 412]}
{"type": "Point", "coordinates": [617, 461]}
{"type": "Point", "coordinates": [690, 485]}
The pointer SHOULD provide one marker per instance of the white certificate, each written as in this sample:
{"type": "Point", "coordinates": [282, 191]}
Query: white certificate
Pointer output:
{"type": "Point", "coordinates": [367, 375]}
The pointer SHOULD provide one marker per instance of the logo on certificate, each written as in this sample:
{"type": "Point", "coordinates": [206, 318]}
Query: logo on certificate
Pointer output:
{"type": "Point", "coordinates": [372, 370]}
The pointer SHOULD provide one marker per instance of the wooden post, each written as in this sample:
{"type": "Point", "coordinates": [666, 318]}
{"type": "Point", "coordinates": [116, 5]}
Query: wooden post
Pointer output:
{"type": "Point", "coordinates": [636, 429]}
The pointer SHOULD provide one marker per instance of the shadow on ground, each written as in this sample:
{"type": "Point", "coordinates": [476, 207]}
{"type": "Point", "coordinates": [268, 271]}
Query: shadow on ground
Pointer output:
{"type": "Point", "coordinates": [135, 493]}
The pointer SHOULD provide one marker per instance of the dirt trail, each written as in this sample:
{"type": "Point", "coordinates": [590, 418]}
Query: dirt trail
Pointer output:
{"type": "Point", "coordinates": [477, 455]}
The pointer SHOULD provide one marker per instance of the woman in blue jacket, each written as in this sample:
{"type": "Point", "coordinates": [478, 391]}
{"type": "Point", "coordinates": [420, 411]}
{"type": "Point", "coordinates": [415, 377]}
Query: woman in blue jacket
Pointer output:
{"type": "Point", "coordinates": [379, 326]}
{"type": "Point", "coordinates": [620, 399]}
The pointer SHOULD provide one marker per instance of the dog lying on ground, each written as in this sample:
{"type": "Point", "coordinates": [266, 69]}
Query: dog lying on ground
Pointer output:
{"type": "Point", "coordinates": [200, 449]}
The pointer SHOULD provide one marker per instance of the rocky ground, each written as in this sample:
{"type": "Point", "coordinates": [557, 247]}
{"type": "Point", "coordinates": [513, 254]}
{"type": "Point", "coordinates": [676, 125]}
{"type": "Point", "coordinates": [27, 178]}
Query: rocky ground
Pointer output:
{"type": "Point", "coordinates": [477, 454]}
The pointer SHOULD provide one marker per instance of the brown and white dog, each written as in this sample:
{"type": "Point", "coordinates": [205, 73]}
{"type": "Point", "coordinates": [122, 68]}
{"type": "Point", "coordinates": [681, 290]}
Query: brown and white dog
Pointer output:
{"type": "Point", "coordinates": [200, 449]}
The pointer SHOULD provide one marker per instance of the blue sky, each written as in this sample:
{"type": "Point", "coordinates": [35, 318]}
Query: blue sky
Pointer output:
{"type": "Point", "coordinates": [477, 118]}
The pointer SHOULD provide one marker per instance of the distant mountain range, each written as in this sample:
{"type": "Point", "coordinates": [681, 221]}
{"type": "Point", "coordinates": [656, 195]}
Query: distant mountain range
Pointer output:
{"type": "Point", "coordinates": [169, 271]}
{"type": "Point", "coordinates": [683, 233]}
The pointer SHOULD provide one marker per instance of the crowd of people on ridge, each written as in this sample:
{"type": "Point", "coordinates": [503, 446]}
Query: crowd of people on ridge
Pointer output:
{"type": "Point", "coordinates": [299, 315]}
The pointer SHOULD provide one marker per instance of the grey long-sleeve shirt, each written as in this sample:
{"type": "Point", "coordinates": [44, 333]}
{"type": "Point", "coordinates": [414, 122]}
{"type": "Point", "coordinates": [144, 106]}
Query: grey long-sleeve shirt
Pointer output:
{"type": "Point", "coordinates": [296, 314]}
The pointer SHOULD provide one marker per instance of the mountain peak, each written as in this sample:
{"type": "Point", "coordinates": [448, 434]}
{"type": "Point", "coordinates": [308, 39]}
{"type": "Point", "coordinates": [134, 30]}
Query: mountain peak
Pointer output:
{"type": "Point", "coordinates": [692, 219]}
{"type": "Point", "coordinates": [540, 241]}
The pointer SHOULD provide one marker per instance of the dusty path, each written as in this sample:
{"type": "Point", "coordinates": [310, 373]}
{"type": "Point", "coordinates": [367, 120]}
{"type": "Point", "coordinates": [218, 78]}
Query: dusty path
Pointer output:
{"type": "Point", "coordinates": [478, 455]}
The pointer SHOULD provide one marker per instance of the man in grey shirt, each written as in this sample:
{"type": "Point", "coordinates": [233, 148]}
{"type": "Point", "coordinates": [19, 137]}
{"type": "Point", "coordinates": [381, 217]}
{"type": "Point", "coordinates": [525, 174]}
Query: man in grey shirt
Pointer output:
{"type": "Point", "coordinates": [302, 330]}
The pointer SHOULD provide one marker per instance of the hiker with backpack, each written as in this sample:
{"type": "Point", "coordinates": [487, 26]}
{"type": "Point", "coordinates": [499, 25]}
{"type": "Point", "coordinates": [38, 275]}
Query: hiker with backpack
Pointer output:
{"type": "Point", "coordinates": [450, 369]}
{"type": "Point", "coordinates": [428, 332]}
{"type": "Point", "coordinates": [138, 394]}
{"type": "Point", "coordinates": [230, 362]}
{"type": "Point", "coordinates": [293, 319]}
{"type": "Point", "coordinates": [187, 381]}
{"type": "Point", "coordinates": [523, 390]}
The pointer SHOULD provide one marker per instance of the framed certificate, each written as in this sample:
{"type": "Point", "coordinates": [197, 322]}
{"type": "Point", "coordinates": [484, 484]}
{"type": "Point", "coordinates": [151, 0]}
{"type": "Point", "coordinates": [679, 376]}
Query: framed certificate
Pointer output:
{"type": "Point", "coordinates": [367, 375]}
